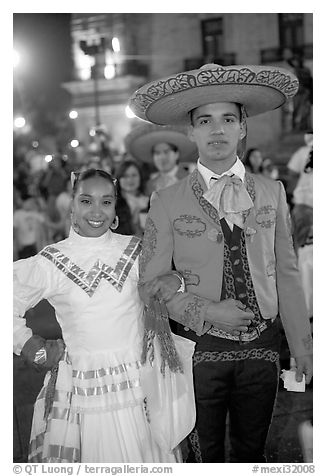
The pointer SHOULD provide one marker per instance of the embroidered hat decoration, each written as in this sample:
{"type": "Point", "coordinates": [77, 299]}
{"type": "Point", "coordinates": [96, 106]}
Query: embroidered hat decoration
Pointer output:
{"type": "Point", "coordinates": [258, 88]}
{"type": "Point", "coordinates": [141, 140]}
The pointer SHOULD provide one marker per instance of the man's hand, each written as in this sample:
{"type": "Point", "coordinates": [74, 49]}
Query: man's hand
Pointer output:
{"type": "Point", "coordinates": [229, 315]}
{"type": "Point", "coordinates": [304, 366]}
{"type": "Point", "coordinates": [162, 287]}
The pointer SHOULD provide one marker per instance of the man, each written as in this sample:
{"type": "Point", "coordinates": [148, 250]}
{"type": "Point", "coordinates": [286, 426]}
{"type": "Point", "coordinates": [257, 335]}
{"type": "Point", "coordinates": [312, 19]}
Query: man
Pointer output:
{"type": "Point", "coordinates": [164, 146]}
{"type": "Point", "coordinates": [228, 232]}
{"type": "Point", "coordinates": [296, 167]}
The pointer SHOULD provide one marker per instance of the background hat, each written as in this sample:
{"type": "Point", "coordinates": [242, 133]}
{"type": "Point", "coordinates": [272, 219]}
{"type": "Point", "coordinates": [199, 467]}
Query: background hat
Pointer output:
{"type": "Point", "coordinates": [258, 88]}
{"type": "Point", "coordinates": [141, 140]}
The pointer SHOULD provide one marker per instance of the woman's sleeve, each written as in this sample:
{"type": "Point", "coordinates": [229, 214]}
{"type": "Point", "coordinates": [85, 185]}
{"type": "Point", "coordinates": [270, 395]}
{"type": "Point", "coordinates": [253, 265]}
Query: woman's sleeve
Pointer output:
{"type": "Point", "coordinates": [32, 282]}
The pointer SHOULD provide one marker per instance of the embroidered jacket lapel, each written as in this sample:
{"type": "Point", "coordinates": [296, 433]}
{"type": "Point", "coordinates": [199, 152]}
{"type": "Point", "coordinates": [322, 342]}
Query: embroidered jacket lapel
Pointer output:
{"type": "Point", "coordinates": [198, 188]}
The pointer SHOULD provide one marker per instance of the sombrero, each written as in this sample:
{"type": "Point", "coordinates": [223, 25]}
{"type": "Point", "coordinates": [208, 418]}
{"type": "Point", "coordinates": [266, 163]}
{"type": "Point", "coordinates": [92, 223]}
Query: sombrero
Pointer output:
{"type": "Point", "coordinates": [259, 88]}
{"type": "Point", "coordinates": [140, 141]}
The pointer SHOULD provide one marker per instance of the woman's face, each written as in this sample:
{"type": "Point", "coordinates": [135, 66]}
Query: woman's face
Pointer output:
{"type": "Point", "coordinates": [256, 159]}
{"type": "Point", "coordinates": [164, 157]}
{"type": "Point", "coordinates": [130, 180]}
{"type": "Point", "coordinates": [94, 206]}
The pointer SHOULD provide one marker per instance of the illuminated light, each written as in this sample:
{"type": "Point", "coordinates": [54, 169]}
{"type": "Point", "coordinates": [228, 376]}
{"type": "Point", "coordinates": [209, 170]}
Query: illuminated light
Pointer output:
{"type": "Point", "coordinates": [116, 44]}
{"type": "Point", "coordinates": [19, 122]}
{"type": "Point", "coordinates": [16, 58]}
{"type": "Point", "coordinates": [84, 65]}
{"type": "Point", "coordinates": [74, 143]}
{"type": "Point", "coordinates": [48, 158]}
{"type": "Point", "coordinates": [92, 132]}
{"type": "Point", "coordinates": [85, 74]}
{"type": "Point", "coordinates": [129, 113]}
{"type": "Point", "coordinates": [73, 114]}
{"type": "Point", "coordinates": [65, 157]}
{"type": "Point", "coordinates": [35, 144]}
{"type": "Point", "coordinates": [109, 71]}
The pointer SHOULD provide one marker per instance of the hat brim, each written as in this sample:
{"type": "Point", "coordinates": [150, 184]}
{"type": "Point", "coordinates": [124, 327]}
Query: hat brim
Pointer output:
{"type": "Point", "coordinates": [175, 109]}
{"type": "Point", "coordinates": [258, 88]}
{"type": "Point", "coordinates": [139, 143]}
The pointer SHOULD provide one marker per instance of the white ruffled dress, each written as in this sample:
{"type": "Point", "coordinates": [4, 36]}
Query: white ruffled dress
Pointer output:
{"type": "Point", "coordinates": [98, 413]}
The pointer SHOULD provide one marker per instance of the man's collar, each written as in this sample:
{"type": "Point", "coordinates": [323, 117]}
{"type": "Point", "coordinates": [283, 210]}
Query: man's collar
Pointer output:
{"type": "Point", "coordinates": [170, 173]}
{"type": "Point", "coordinates": [236, 169]}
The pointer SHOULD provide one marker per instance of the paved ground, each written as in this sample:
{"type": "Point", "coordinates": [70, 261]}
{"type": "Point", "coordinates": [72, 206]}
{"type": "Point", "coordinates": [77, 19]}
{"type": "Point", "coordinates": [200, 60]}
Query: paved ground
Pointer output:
{"type": "Point", "coordinates": [282, 445]}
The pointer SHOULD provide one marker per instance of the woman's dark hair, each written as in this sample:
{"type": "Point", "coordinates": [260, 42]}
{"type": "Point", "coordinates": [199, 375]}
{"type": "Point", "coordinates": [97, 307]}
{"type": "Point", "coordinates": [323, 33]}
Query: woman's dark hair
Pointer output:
{"type": "Point", "coordinates": [79, 177]}
{"type": "Point", "coordinates": [126, 226]}
{"type": "Point", "coordinates": [122, 170]}
{"type": "Point", "coordinates": [246, 159]}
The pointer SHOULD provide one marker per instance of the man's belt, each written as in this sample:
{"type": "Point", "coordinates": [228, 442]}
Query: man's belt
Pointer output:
{"type": "Point", "coordinates": [244, 336]}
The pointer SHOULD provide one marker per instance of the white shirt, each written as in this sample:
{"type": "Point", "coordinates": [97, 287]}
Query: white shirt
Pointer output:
{"type": "Point", "coordinates": [208, 175]}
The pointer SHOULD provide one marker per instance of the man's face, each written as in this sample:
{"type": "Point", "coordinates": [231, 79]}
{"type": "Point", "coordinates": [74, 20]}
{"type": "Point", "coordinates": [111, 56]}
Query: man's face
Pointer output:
{"type": "Point", "coordinates": [216, 129]}
{"type": "Point", "coordinates": [164, 157]}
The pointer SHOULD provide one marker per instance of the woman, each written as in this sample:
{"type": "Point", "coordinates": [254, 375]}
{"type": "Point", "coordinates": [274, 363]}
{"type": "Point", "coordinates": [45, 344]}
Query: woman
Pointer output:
{"type": "Point", "coordinates": [132, 203]}
{"type": "Point", "coordinates": [93, 409]}
{"type": "Point", "coordinates": [253, 161]}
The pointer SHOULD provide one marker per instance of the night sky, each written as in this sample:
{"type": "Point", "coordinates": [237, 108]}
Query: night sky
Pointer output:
{"type": "Point", "coordinates": [43, 41]}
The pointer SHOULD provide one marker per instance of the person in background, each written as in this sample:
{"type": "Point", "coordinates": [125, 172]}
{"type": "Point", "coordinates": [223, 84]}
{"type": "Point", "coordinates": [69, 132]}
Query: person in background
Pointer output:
{"type": "Point", "coordinates": [32, 228]}
{"type": "Point", "coordinates": [302, 101]}
{"type": "Point", "coordinates": [302, 217]}
{"type": "Point", "coordinates": [63, 205]}
{"type": "Point", "coordinates": [297, 163]}
{"type": "Point", "coordinates": [53, 183]}
{"type": "Point", "coordinates": [228, 231]}
{"type": "Point", "coordinates": [253, 161]}
{"type": "Point", "coordinates": [270, 170]}
{"type": "Point", "coordinates": [27, 223]}
{"type": "Point", "coordinates": [164, 146]}
{"type": "Point", "coordinates": [132, 203]}
{"type": "Point", "coordinates": [91, 407]}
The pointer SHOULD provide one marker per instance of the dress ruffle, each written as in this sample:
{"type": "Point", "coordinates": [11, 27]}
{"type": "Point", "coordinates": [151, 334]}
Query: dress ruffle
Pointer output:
{"type": "Point", "coordinates": [99, 395]}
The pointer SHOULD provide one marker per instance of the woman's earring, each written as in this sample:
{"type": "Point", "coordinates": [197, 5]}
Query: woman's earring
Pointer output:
{"type": "Point", "coordinates": [115, 223]}
{"type": "Point", "coordinates": [74, 224]}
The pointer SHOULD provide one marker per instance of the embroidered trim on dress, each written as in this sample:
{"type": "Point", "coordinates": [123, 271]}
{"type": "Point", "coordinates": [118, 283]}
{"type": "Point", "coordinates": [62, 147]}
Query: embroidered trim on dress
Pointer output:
{"type": "Point", "coordinates": [148, 246]}
{"type": "Point", "coordinates": [90, 281]}
{"type": "Point", "coordinates": [114, 387]}
{"type": "Point", "coordinates": [87, 374]}
{"type": "Point", "coordinates": [57, 454]}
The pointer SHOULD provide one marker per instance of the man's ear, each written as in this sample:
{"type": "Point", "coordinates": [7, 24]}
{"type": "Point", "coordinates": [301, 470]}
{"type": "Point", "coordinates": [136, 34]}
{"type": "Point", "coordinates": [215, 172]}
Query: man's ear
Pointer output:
{"type": "Point", "coordinates": [243, 130]}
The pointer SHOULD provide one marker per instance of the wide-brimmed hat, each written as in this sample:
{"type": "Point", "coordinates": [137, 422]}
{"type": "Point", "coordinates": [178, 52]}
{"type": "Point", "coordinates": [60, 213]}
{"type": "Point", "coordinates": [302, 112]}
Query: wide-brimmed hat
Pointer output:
{"type": "Point", "coordinates": [258, 88]}
{"type": "Point", "coordinates": [141, 140]}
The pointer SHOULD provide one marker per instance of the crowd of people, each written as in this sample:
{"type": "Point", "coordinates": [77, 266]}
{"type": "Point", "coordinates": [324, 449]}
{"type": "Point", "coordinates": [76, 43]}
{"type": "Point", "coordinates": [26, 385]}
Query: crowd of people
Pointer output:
{"type": "Point", "coordinates": [208, 244]}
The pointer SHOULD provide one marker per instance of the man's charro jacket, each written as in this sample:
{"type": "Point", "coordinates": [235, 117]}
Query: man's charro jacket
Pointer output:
{"type": "Point", "coordinates": [183, 228]}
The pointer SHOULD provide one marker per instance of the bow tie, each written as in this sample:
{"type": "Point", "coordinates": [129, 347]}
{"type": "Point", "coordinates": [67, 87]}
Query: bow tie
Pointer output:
{"type": "Point", "coordinates": [230, 198]}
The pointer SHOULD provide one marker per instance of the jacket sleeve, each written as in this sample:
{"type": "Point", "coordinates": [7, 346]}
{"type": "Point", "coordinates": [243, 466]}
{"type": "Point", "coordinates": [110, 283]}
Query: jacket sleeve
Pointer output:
{"type": "Point", "coordinates": [31, 284]}
{"type": "Point", "coordinates": [156, 258]}
{"type": "Point", "coordinates": [292, 305]}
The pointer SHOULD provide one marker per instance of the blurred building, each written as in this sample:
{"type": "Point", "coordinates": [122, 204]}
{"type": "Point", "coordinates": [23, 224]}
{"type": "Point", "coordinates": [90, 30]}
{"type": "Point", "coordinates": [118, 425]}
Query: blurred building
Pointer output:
{"type": "Point", "coordinates": [115, 53]}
